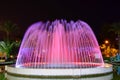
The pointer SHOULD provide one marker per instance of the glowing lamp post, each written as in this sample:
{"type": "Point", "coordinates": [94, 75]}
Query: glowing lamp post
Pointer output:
{"type": "Point", "coordinates": [107, 48]}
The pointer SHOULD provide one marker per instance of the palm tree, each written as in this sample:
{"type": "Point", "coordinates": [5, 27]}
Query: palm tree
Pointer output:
{"type": "Point", "coordinates": [115, 27]}
{"type": "Point", "coordinates": [6, 47]}
{"type": "Point", "coordinates": [8, 27]}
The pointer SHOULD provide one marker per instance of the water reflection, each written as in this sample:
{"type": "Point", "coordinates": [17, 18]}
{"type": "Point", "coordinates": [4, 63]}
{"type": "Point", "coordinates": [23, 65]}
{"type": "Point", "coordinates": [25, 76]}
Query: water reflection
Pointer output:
{"type": "Point", "coordinates": [107, 77]}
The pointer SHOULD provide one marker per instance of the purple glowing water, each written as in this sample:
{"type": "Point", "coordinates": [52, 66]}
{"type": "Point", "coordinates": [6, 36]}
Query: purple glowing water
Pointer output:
{"type": "Point", "coordinates": [59, 44]}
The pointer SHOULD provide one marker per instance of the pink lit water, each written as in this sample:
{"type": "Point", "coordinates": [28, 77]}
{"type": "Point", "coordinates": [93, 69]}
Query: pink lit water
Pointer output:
{"type": "Point", "coordinates": [59, 44]}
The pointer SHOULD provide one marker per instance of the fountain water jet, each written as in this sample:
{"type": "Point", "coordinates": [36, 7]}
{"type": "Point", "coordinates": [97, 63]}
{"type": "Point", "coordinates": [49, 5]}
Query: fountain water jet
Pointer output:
{"type": "Point", "coordinates": [60, 48]}
{"type": "Point", "coordinates": [59, 45]}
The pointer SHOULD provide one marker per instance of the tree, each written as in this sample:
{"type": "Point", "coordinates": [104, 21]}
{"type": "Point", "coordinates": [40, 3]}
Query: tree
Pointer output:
{"type": "Point", "coordinates": [9, 44]}
{"type": "Point", "coordinates": [115, 27]}
{"type": "Point", "coordinates": [9, 28]}
{"type": "Point", "coordinates": [106, 34]}
{"type": "Point", "coordinates": [108, 50]}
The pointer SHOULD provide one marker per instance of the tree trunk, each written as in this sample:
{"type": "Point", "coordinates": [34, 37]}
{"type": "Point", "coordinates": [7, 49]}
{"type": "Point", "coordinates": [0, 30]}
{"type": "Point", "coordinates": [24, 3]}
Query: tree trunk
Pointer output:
{"type": "Point", "coordinates": [7, 35]}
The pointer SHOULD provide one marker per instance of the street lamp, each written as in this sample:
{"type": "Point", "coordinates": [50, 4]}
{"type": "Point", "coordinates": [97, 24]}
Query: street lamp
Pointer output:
{"type": "Point", "coordinates": [107, 48]}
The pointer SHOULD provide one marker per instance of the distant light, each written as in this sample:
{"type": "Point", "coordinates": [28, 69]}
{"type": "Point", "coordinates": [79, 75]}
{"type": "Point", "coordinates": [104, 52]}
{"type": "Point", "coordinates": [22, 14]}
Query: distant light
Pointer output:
{"type": "Point", "coordinates": [106, 41]}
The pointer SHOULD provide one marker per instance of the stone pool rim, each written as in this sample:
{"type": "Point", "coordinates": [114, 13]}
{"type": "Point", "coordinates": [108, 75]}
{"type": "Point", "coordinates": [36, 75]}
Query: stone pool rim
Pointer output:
{"type": "Point", "coordinates": [53, 73]}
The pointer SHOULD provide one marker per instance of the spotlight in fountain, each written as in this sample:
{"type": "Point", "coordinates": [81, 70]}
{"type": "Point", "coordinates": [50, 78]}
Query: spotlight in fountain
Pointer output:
{"type": "Point", "coordinates": [60, 48]}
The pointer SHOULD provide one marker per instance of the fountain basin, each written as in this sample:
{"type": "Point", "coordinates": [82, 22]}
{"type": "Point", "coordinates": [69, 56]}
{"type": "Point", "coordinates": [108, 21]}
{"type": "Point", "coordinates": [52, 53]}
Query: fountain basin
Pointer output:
{"type": "Point", "coordinates": [107, 68]}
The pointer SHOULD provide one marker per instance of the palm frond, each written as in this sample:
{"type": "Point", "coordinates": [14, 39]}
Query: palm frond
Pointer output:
{"type": "Point", "coordinates": [6, 46]}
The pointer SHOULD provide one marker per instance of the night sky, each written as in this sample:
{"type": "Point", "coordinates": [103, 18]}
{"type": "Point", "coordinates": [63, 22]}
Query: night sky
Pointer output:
{"type": "Point", "coordinates": [95, 12]}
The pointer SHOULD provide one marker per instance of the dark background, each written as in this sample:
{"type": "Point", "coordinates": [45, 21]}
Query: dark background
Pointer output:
{"type": "Point", "coordinates": [95, 12]}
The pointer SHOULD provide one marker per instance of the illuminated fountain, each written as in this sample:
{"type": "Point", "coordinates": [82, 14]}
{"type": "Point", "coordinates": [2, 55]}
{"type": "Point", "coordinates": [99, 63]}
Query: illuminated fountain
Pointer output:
{"type": "Point", "coordinates": [60, 48]}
